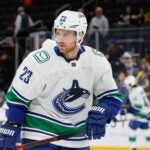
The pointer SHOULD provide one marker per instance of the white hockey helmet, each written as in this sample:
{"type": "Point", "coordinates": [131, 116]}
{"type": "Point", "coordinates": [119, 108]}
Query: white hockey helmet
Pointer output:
{"type": "Point", "coordinates": [130, 81]}
{"type": "Point", "coordinates": [74, 21]}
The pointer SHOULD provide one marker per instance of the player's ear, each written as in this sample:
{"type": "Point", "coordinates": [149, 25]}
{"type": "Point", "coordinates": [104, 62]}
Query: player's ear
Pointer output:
{"type": "Point", "coordinates": [81, 36]}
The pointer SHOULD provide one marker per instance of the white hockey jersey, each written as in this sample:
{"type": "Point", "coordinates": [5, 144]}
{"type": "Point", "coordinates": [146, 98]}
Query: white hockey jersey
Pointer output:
{"type": "Point", "coordinates": [59, 93]}
{"type": "Point", "coordinates": [139, 101]}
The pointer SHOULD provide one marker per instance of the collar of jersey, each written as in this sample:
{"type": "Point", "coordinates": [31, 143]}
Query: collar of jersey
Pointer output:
{"type": "Point", "coordinates": [58, 53]}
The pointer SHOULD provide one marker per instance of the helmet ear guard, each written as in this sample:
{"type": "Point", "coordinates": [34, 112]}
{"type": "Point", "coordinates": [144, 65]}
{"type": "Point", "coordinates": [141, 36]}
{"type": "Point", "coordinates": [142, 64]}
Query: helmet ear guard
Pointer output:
{"type": "Point", "coordinates": [73, 21]}
{"type": "Point", "coordinates": [80, 37]}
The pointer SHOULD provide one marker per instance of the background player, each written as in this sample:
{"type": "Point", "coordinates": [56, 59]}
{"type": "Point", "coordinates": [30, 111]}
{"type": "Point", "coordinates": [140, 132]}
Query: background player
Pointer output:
{"type": "Point", "coordinates": [140, 109]}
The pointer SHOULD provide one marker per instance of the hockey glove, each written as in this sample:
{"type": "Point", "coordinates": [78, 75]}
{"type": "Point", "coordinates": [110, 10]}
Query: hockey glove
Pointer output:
{"type": "Point", "coordinates": [96, 122]}
{"type": "Point", "coordinates": [8, 136]}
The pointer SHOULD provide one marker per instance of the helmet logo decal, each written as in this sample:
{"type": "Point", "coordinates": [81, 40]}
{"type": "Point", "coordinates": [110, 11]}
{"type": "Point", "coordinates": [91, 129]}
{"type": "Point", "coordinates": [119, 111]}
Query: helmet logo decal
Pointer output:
{"type": "Point", "coordinates": [63, 101]}
{"type": "Point", "coordinates": [62, 19]}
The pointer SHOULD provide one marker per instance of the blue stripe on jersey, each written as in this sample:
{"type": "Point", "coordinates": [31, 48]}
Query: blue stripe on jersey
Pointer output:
{"type": "Point", "coordinates": [80, 139]}
{"type": "Point", "coordinates": [19, 95]}
{"type": "Point", "coordinates": [56, 121]}
{"type": "Point", "coordinates": [79, 123]}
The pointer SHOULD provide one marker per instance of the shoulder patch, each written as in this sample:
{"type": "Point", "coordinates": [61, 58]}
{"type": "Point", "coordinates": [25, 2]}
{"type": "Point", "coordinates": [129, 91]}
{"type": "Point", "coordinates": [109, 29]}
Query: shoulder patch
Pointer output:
{"type": "Point", "coordinates": [96, 52]}
{"type": "Point", "coordinates": [41, 56]}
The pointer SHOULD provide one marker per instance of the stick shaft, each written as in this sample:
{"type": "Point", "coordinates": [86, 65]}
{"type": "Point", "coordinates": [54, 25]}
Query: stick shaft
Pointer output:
{"type": "Point", "coordinates": [44, 141]}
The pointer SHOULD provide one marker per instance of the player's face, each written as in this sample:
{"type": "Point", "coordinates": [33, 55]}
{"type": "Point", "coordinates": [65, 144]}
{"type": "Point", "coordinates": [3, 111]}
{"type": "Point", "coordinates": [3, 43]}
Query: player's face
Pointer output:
{"type": "Point", "coordinates": [66, 40]}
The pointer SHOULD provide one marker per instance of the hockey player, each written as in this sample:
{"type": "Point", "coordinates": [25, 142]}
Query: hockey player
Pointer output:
{"type": "Point", "coordinates": [52, 91]}
{"type": "Point", "coordinates": [140, 109]}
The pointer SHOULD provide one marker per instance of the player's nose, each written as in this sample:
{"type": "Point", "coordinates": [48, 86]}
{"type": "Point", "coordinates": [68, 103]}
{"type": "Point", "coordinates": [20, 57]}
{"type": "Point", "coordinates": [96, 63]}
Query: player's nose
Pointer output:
{"type": "Point", "coordinates": [60, 39]}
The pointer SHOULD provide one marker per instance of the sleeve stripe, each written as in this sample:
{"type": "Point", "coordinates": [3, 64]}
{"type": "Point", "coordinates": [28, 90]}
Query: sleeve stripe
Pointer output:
{"type": "Point", "coordinates": [19, 95]}
{"type": "Point", "coordinates": [117, 98]}
{"type": "Point", "coordinates": [106, 93]}
{"type": "Point", "coordinates": [16, 103]}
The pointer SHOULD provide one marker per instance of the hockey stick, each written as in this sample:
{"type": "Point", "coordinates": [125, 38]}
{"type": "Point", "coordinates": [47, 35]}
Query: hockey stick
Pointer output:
{"type": "Point", "coordinates": [45, 141]}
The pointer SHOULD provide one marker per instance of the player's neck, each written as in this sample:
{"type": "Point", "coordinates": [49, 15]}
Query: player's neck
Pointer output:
{"type": "Point", "coordinates": [72, 54]}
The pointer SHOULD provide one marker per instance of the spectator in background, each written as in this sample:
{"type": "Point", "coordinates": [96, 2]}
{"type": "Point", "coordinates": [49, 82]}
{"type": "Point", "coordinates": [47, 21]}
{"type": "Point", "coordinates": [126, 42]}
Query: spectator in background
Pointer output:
{"type": "Point", "coordinates": [135, 62]}
{"type": "Point", "coordinates": [124, 91]}
{"type": "Point", "coordinates": [114, 51]}
{"type": "Point", "coordinates": [120, 82]}
{"type": "Point", "coordinates": [143, 76]}
{"type": "Point", "coordinates": [141, 17]}
{"type": "Point", "coordinates": [23, 23]}
{"type": "Point", "coordinates": [126, 59]}
{"type": "Point", "coordinates": [147, 19]}
{"type": "Point", "coordinates": [98, 24]}
{"type": "Point", "coordinates": [127, 18]}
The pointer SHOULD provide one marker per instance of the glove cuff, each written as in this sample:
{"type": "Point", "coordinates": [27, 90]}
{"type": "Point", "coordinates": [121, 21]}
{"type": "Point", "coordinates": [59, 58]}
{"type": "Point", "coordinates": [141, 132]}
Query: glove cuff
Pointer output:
{"type": "Point", "coordinates": [9, 130]}
{"type": "Point", "coordinates": [104, 110]}
{"type": "Point", "coordinates": [8, 134]}
{"type": "Point", "coordinates": [98, 108]}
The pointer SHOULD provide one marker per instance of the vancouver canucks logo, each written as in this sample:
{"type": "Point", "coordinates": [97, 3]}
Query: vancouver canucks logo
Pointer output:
{"type": "Point", "coordinates": [69, 95]}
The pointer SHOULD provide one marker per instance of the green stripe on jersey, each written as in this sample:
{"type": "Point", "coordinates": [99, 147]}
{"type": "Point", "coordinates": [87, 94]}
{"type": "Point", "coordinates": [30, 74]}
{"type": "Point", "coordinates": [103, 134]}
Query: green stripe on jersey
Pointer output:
{"type": "Point", "coordinates": [48, 126]}
{"type": "Point", "coordinates": [116, 94]}
{"type": "Point", "coordinates": [141, 115]}
{"type": "Point", "coordinates": [11, 97]}
{"type": "Point", "coordinates": [138, 106]}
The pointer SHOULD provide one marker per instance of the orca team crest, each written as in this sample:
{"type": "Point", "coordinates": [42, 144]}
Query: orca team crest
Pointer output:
{"type": "Point", "coordinates": [70, 95]}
